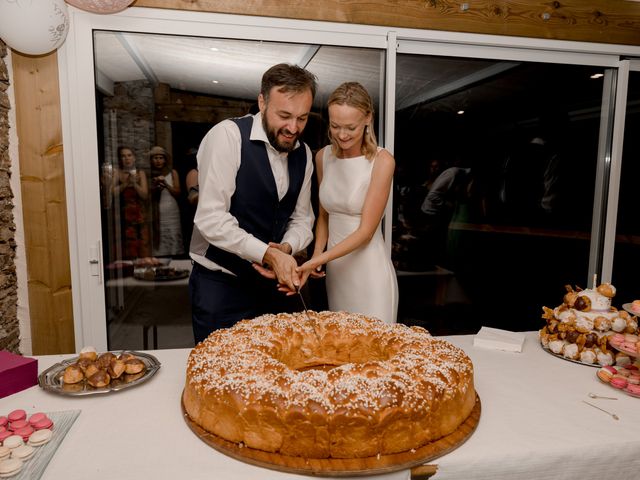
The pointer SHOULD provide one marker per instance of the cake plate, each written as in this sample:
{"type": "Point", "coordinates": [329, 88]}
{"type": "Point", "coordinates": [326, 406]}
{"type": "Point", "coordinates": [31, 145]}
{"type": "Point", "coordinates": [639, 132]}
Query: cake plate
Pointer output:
{"type": "Point", "coordinates": [341, 467]}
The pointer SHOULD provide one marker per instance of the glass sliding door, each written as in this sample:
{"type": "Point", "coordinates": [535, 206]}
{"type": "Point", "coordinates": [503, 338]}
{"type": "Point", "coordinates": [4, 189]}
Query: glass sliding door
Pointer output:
{"type": "Point", "coordinates": [626, 259]}
{"type": "Point", "coordinates": [159, 94]}
{"type": "Point", "coordinates": [494, 190]}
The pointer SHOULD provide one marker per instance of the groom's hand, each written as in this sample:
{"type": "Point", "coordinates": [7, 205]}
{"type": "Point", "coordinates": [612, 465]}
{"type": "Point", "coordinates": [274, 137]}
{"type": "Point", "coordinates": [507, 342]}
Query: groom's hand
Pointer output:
{"type": "Point", "coordinates": [282, 266]}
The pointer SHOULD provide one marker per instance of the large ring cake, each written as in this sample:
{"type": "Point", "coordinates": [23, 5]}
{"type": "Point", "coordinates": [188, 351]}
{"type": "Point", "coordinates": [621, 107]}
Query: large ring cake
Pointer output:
{"type": "Point", "coordinates": [335, 385]}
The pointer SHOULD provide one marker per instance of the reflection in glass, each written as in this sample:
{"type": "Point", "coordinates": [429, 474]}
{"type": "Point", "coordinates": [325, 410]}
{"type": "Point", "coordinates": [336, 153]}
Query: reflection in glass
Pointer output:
{"type": "Point", "coordinates": [494, 189]}
{"type": "Point", "coordinates": [162, 93]}
{"type": "Point", "coordinates": [627, 246]}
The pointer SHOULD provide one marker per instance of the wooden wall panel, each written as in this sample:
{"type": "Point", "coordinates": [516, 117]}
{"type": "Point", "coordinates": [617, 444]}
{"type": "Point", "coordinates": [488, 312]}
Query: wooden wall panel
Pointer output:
{"type": "Point", "coordinates": [605, 21]}
{"type": "Point", "coordinates": [44, 205]}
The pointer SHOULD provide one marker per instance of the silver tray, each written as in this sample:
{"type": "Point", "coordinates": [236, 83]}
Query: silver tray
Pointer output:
{"type": "Point", "coordinates": [51, 379]}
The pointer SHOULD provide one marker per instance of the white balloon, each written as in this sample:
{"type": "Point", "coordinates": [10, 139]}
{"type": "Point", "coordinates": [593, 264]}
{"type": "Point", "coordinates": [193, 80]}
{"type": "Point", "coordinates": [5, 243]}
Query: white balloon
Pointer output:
{"type": "Point", "coordinates": [34, 27]}
{"type": "Point", "coordinates": [101, 6]}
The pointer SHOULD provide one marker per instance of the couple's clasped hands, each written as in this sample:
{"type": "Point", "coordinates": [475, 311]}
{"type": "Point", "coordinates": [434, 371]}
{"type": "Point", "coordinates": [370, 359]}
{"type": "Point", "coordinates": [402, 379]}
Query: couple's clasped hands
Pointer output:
{"type": "Point", "coordinates": [282, 266]}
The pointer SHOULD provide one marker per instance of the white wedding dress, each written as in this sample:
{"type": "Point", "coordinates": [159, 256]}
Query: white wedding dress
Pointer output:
{"type": "Point", "coordinates": [363, 281]}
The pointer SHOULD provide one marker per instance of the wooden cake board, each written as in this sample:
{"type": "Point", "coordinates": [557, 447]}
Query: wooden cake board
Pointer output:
{"type": "Point", "coordinates": [343, 467]}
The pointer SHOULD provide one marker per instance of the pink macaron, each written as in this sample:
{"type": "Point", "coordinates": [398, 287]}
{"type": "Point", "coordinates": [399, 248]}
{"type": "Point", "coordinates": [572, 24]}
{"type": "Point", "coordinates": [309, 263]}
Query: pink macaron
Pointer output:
{"type": "Point", "coordinates": [618, 382]}
{"type": "Point", "coordinates": [25, 432]}
{"type": "Point", "coordinates": [4, 435]}
{"type": "Point", "coordinates": [36, 417]}
{"type": "Point", "coordinates": [633, 389]}
{"type": "Point", "coordinates": [17, 415]}
{"type": "Point", "coordinates": [3, 421]}
{"type": "Point", "coordinates": [18, 424]}
{"type": "Point", "coordinates": [616, 338]}
{"type": "Point", "coordinates": [46, 422]}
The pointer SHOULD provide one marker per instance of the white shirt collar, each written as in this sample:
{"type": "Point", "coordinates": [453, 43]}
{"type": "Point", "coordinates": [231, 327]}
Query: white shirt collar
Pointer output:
{"type": "Point", "coordinates": [258, 133]}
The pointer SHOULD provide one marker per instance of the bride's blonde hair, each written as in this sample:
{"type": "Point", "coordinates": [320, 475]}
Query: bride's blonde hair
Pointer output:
{"type": "Point", "coordinates": [353, 94]}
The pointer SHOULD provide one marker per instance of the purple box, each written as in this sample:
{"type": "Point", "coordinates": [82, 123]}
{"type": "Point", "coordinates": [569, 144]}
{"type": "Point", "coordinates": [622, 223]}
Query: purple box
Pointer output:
{"type": "Point", "coordinates": [17, 373]}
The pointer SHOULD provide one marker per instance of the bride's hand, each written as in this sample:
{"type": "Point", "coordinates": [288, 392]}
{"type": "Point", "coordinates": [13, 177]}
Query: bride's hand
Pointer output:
{"type": "Point", "coordinates": [311, 268]}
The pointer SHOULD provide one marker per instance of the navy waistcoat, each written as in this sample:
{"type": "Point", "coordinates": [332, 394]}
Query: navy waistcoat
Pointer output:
{"type": "Point", "coordinates": [255, 202]}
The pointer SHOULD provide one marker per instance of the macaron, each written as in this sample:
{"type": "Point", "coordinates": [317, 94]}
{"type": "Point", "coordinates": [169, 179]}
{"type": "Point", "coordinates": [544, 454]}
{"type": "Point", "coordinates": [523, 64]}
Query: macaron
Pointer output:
{"type": "Point", "coordinates": [3, 421]}
{"type": "Point", "coordinates": [4, 452]}
{"type": "Point", "coordinates": [4, 435]}
{"type": "Point", "coordinates": [624, 372]}
{"type": "Point", "coordinates": [36, 417]}
{"type": "Point", "coordinates": [46, 422]}
{"type": "Point", "coordinates": [633, 389]}
{"type": "Point", "coordinates": [617, 338]}
{"type": "Point", "coordinates": [604, 375]}
{"type": "Point", "coordinates": [14, 441]}
{"type": "Point", "coordinates": [629, 347]}
{"type": "Point", "coordinates": [10, 466]}
{"type": "Point", "coordinates": [13, 426]}
{"type": "Point", "coordinates": [25, 432]}
{"type": "Point", "coordinates": [40, 437]}
{"type": "Point", "coordinates": [618, 382]}
{"type": "Point", "coordinates": [23, 452]}
{"type": "Point", "coordinates": [17, 415]}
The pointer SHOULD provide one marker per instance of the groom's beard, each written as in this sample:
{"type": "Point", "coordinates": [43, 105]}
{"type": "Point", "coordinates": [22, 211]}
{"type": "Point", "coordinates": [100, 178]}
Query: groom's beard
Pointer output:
{"type": "Point", "coordinates": [272, 136]}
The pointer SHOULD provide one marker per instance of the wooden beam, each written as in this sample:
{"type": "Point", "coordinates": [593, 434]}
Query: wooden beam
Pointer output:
{"type": "Point", "coordinates": [603, 21]}
{"type": "Point", "coordinates": [41, 162]}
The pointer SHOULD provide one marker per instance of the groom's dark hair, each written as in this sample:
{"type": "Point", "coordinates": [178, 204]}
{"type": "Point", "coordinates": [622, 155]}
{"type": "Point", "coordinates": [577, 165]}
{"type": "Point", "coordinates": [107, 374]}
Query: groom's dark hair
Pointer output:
{"type": "Point", "coordinates": [288, 78]}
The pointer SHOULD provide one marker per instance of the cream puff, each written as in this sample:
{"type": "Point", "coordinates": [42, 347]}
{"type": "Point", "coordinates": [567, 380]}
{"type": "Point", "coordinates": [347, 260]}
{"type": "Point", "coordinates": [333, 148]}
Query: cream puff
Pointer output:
{"type": "Point", "coordinates": [72, 374]}
{"type": "Point", "coordinates": [104, 360]}
{"type": "Point", "coordinates": [116, 368]}
{"type": "Point", "coordinates": [99, 379]}
{"type": "Point", "coordinates": [134, 365]}
{"type": "Point", "coordinates": [88, 353]}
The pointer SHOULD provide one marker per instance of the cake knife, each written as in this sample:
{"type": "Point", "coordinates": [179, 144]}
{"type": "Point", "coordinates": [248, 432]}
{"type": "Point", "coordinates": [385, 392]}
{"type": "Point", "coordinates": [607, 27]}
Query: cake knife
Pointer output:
{"type": "Point", "coordinates": [304, 305]}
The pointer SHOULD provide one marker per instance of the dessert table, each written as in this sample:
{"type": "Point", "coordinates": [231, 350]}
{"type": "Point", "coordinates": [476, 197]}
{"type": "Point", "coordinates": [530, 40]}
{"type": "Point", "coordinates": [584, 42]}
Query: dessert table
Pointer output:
{"type": "Point", "coordinates": [533, 424]}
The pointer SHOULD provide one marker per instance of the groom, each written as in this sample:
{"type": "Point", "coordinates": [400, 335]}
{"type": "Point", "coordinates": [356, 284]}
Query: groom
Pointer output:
{"type": "Point", "coordinates": [254, 205]}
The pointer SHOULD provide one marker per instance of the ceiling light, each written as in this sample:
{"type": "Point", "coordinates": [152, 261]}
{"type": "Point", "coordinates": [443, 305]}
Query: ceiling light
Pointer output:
{"type": "Point", "coordinates": [597, 75]}
{"type": "Point", "coordinates": [460, 112]}
{"type": "Point", "coordinates": [213, 49]}
{"type": "Point", "coordinates": [214, 81]}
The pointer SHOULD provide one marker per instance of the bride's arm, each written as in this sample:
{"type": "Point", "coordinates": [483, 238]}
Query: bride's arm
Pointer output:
{"type": "Point", "coordinates": [372, 211]}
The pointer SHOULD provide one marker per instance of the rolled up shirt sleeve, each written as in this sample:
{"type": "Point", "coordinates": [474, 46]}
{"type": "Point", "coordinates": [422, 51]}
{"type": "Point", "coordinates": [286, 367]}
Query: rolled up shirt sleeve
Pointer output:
{"type": "Point", "coordinates": [218, 163]}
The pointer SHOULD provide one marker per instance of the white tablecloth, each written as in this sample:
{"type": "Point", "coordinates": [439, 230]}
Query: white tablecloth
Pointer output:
{"type": "Point", "coordinates": [533, 425]}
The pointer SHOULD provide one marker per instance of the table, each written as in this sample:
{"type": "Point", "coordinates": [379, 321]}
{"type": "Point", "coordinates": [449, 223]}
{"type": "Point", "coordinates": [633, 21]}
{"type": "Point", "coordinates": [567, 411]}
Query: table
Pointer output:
{"type": "Point", "coordinates": [148, 304]}
{"type": "Point", "coordinates": [533, 425]}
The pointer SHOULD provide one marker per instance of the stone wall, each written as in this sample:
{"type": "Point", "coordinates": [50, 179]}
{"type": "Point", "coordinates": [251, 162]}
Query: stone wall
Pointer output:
{"type": "Point", "coordinates": [9, 329]}
{"type": "Point", "coordinates": [128, 120]}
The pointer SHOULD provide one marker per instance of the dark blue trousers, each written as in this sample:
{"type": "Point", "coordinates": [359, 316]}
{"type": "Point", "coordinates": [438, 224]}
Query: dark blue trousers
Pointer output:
{"type": "Point", "coordinates": [220, 300]}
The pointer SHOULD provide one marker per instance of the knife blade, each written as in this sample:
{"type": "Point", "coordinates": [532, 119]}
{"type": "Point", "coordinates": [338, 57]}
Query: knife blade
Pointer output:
{"type": "Point", "coordinates": [304, 304]}
{"type": "Point", "coordinates": [312, 322]}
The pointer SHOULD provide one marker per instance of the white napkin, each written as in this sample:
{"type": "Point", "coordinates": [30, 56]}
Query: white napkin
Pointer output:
{"type": "Point", "coordinates": [497, 339]}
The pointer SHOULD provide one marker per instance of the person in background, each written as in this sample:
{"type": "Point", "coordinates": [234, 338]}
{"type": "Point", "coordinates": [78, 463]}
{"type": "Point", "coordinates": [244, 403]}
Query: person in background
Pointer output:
{"type": "Point", "coordinates": [192, 187]}
{"type": "Point", "coordinates": [254, 207]}
{"type": "Point", "coordinates": [131, 190]}
{"type": "Point", "coordinates": [438, 208]}
{"type": "Point", "coordinates": [355, 177]}
{"type": "Point", "coordinates": [165, 190]}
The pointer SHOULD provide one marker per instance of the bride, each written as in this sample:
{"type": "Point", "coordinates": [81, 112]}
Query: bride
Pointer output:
{"type": "Point", "coordinates": [355, 176]}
